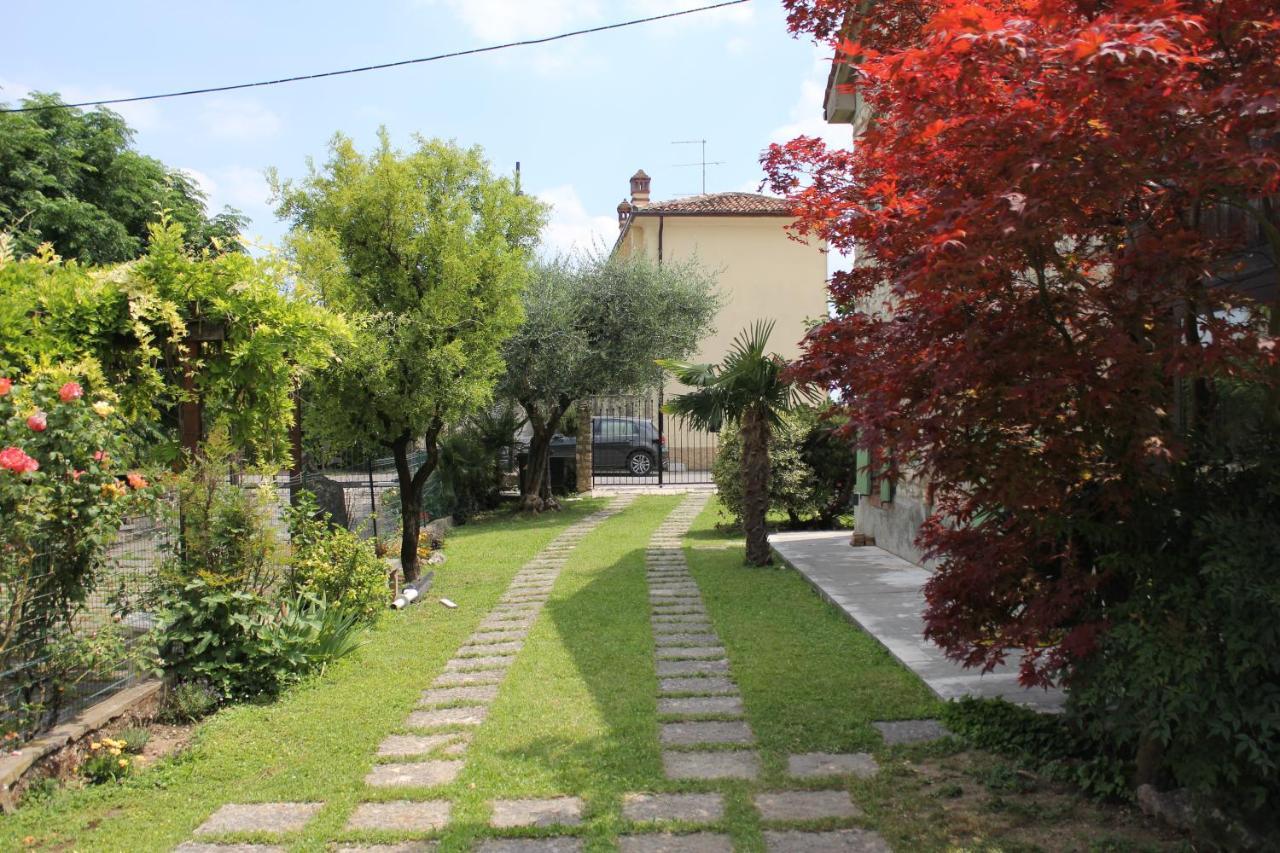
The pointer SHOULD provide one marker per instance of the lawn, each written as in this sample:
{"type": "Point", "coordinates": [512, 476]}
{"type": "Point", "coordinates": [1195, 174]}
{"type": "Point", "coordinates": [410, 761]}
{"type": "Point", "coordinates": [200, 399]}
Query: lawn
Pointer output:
{"type": "Point", "coordinates": [577, 715]}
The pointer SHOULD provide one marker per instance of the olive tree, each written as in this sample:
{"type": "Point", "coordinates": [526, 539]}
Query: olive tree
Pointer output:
{"type": "Point", "coordinates": [426, 252]}
{"type": "Point", "coordinates": [597, 325]}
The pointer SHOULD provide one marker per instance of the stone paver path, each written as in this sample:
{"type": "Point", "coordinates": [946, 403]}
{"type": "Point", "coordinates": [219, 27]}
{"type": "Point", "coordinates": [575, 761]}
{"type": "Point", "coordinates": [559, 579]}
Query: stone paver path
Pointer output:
{"type": "Point", "coordinates": [433, 752]}
{"type": "Point", "coordinates": [884, 594]}
{"type": "Point", "coordinates": [694, 680]}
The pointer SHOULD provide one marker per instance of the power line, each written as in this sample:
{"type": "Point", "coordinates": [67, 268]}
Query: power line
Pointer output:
{"type": "Point", "coordinates": [457, 53]}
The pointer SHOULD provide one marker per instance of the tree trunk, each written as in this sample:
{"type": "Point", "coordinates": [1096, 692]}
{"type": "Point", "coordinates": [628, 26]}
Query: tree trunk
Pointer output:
{"type": "Point", "coordinates": [535, 489]}
{"type": "Point", "coordinates": [411, 485]}
{"type": "Point", "coordinates": [755, 484]}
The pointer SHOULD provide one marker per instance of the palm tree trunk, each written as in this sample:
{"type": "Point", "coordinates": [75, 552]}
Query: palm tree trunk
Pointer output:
{"type": "Point", "coordinates": [755, 484]}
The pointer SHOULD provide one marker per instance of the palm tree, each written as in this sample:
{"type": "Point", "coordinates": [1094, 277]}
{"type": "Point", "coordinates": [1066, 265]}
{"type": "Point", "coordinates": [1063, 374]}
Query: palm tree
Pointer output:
{"type": "Point", "coordinates": [748, 389]}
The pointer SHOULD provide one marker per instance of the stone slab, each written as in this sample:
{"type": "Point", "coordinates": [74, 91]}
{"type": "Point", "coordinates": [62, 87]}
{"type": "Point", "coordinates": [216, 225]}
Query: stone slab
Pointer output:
{"type": "Point", "coordinates": [690, 808]}
{"type": "Point", "coordinates": [704, 731]}
{"type": "Point", "coordinates": [259, 817]}
{"type": "Point", "coordinates": [405, 745]}
{"type": "Point", "coordinates": [554, 811]}
{"type": "Point", "coordinates": [694, 705]}
{"type": "Point", "coordinates": [490, 649]}
{"type": "Point", "coordinates": [805, 805]}
{"type": "Point", "coordinates": [883, 594]}
{"type": "Point", "coordinates": [711, 765]}
{"type": "Point", "coordinates": [402, 847]}
{"type": "Point", "coordinates": [201, 847]}
{"type": "Point", "coordinates": [561, 844]}
{"type": "Point", "coordinates": [466, 679]}
{"type": "Point", "coordinates": [469, 715]}
{"type": "Point", "coordinates": [690, 652]}
{"type": "Point", "coordinates": [911, 731]}
{"type": "Point", "coordinates": [837, 841]}
{"type": "Point", "coordinates": [472, 693]}
{"type": "Point", "coordinates": [685, 639]}
{"type": "Point", "coordinates": [485, 662]}
{"type": "Point", "coordinates": [706, 685]}
{"type": "Point", "coordinates": [420, 774]}
{"type": "Point", "coordinates": [481, 638]}
{"type": "Point", "coordinates": [669, 668]}
{"type": "Point", "coordinates": [696, 842]}
{"type": "Point", "coordinates": [402, 816]}
{"type": "Point", "coordinates": [812, 765]}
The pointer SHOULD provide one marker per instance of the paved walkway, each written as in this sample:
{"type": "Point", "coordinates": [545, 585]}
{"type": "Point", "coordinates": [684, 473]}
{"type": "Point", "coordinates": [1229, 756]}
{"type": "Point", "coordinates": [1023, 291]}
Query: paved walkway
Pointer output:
{"type": "Point", "coordinates": [884, 594]}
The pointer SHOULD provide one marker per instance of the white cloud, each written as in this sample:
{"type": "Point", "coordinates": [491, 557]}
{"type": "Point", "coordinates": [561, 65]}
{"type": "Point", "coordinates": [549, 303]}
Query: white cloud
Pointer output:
{"type": "Point", "coordinates": [240, 187]}
{"type": "Point", "coordinates": [142, 115]}
{"type": "Point", "coordinates": [737, 46]}
{"type": "Point", "coordinates": [571, 227]}
{"type": "Point", "coordinates": [806, 116]}
{"type": "Point", "coordinates": [239, 119]}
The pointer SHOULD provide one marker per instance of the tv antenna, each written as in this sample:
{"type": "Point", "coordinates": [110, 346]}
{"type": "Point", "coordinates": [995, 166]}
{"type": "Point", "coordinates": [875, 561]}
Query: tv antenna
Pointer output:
{"type": "Point", "coordinates": [703, 162]}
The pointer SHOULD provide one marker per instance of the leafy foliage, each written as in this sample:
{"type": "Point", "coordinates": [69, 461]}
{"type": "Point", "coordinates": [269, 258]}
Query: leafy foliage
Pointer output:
{"type": "Point", "coordinates": [106, 761]}
{"type": "Point", "coordinates": [749, 389]}
{"type": "Point", "coordinates": [1050, 208]}
{"type": "Point", "coordinates": [426, 252]}
{"type": "Point", "coordinates": [72, 179]}
{"type": "Point", "coordinates": [63, 495]}
{"type": "Point", "coordinates": [332, 563]}
{"type": "Point", "coordinates": [595, 325]}
{"type": "Point", "coordinates": [811, 469]}
{"type": "Point", "coordinates": [133, 321]}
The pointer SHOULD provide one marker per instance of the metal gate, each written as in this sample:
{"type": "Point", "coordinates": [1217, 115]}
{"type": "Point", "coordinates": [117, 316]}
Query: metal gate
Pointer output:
{"type": "Point", "coordinates": [634, 443]}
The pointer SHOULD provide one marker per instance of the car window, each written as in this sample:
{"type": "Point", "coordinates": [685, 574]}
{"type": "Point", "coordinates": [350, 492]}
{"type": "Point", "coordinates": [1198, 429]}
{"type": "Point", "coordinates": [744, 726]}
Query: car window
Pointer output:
{"type": "Point", "coordinates": [618, 430]}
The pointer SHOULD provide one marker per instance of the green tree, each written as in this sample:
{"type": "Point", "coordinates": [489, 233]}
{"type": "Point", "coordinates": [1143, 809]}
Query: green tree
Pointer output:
{"type": "Point", "coordinates": [73, 179]}
{"type": "Point", "coordinates": [597, 326]}
{"type": "Point", "coordinates": [426, 252]}
{"type": "Point", "coordinates": [134, 322]}
{"type": "Point", "coordinates": [749, 390]}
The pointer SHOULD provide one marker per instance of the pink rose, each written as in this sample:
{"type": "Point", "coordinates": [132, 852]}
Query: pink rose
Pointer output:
{"type": "Point", "coordinates": [18, 462]}
{"type": "Point", "coordinates": [136, 480]}
{"type": "Point", "coordinates": [70, 391]}
{"type": "Point", "coordinates": [5, 385]}
{"type": "Point", "coordinates": [38, 422]}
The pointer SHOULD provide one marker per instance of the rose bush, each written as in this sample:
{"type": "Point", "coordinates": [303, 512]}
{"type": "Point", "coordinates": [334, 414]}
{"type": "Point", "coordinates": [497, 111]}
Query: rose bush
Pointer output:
{"type": "Point", "coordinates": [62, 498]}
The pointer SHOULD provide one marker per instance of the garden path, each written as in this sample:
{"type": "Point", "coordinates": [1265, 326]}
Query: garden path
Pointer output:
{"type": "Point", "coordinates": [884, 595]}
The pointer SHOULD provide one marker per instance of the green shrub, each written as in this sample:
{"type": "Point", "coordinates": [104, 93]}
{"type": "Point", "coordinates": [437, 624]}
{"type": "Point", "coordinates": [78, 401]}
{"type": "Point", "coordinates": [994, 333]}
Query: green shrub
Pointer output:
{"type": "Point", "coordinates": [187, 702]}
{"type": "Point", "coordinates": [227, 531]}
{"type": "Point", "coordinates": [334, 564]}
{"type": "Point", "coordinates": [135, 739]}
{"type": "Point", "coordinates": [811, 476]}
{"type": "Point", "coordinates": [106, 761]}
{"type": "Point", "coordinates": [1047, 742]}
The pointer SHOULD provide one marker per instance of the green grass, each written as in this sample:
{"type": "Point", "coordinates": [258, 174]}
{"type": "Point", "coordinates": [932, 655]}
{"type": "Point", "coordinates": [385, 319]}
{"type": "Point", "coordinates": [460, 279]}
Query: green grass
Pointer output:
{"type": "Point", "coordinates": [319, 739]}
{"type": "Point", "coordinates": [577, 714]}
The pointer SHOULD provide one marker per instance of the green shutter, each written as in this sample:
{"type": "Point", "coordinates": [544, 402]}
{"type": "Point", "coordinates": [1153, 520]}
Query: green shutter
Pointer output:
{"type": "Point", "coordinates": [886, 490]}
{"type": "Point", "coordinates": [863, 483]}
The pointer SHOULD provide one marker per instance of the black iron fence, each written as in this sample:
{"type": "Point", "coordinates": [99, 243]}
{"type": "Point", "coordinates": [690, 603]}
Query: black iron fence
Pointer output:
{"type": "Point", "coordinates": [635, 443]}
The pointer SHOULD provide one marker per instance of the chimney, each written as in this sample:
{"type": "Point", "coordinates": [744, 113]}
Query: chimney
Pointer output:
{"type": "Point", "coordinates": [639, 190]}
{"type": "Point", "coordinates": [624, 211]}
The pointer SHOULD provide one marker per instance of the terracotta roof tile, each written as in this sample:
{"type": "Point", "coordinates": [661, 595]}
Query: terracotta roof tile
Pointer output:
{"type": "Point", "coordinates": [721, 204]}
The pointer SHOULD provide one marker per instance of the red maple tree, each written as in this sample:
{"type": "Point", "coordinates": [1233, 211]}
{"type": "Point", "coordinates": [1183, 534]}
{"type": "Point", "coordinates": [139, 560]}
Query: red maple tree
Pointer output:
{"type": "Point", "coordinates": [1047, 211]}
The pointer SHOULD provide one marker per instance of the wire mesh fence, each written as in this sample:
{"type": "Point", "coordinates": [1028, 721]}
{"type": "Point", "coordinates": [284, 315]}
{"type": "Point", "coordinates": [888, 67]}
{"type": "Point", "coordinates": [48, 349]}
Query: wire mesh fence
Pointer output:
{"type": "Point", "coordinates": [59, 658]}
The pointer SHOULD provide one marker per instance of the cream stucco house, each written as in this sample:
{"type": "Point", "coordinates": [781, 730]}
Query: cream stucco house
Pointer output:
{"type": "Point", "coordinates": [761, 272]}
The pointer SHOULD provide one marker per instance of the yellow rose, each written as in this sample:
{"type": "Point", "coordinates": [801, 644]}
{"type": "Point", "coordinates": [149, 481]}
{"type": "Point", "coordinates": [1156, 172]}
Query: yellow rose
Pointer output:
{"type": "Point", "coordinates": [95, 745]}
{"type": "Point", "coordinates": [124, 762]}
{"type": "Point", "coordinates": [102, 408]}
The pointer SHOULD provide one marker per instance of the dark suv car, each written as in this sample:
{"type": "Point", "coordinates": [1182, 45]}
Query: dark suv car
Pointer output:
{"type": "Point", "coordinates": [626, 444]}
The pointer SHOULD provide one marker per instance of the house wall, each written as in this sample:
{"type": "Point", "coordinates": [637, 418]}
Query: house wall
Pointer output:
{"type": "Point", "coordinates": [761, 275]}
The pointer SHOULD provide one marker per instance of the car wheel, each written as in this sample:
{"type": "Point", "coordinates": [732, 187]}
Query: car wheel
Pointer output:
{"type": "Point", "coordinates": [640, 463]}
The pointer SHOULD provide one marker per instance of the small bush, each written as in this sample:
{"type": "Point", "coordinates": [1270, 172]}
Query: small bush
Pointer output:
{"type": "Point", "coordinates": [106, 762]}
{"type": "Point", "coordinates": [811, 470]}
{"type": "Point", "coordinates": [333, 564]}
{"type": "Point", "coordinates": [135, 739]}
{"type": "Point", "coordinates": [188, 702]}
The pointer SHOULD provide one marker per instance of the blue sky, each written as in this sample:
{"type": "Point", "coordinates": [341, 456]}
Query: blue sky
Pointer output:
{"type": "Point", "coordinates": [580, 115]}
